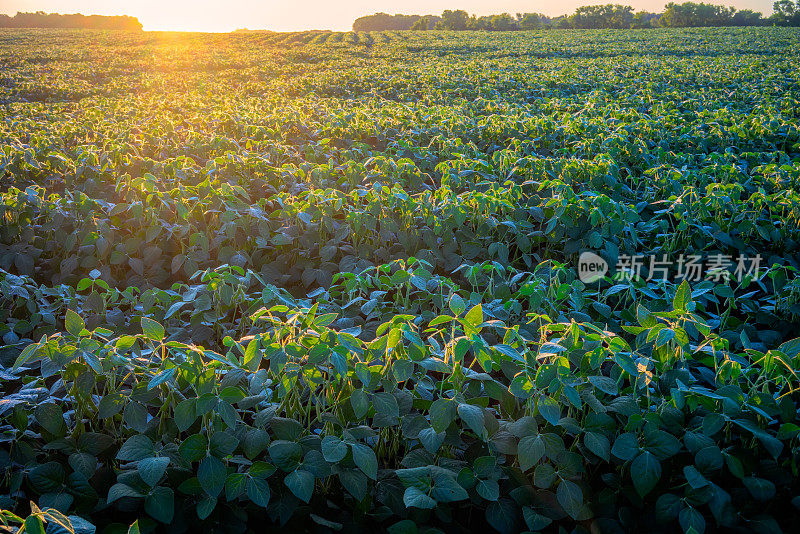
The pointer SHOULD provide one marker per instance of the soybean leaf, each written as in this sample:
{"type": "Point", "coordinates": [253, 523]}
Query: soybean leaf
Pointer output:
{"type": "Point", "coordinates": [645, 471]}
{"type": "Point", "coordinates": [301, 484]}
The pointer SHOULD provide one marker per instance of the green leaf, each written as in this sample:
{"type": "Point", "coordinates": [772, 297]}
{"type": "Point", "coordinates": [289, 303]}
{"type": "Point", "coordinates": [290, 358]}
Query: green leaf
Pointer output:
{"type": "Point", "coordinates": [695, 479]}
{"type": "Point", "coordinates": [161, 378]}
{"type": "Point", "coordinates": [734, 465]}
{"type": "Point", "coordinates": [286, 454]}
{"type": "Point", "coordinates": [462, 346]}
{"type": "Point", "coordinates": [160, 504]}
{"type": "Point", "coordinates": [645, 471]}
{"type": "Point", "coordinates": [405, 526]}
{"type": "Point", "coordinates": [83, 463]}
{"type": "Point", "coordinates": [152, 469]}
{"type": "Point", "coordinates": [598, 444]}
{"type": "Point", "coordinates": [604, 384]}
{"type": "Point", "coordinates": [386, 405]}
{"type": "Point", "coordinates": [535, 520]}
{"type": "Point", "coordinates": [503, 516]}
{"type": "Point", "coordinates": [194, 448]}
{"type": "Point", "coordinates": [136, 448]}
{"type": "Point", "coordinates": [663, 444]}
{"type": "Point", "coordinates": [692, 520]}
{"type": "Point", "coordinates": [110, 405]}
{"type": "Point", "coordinates": [333, 449]}
{"type": "Point", "coordinates": [74, 323]}
{"type": "Point", "coordinates": [709, 459]}
{"type": "Point", "coordinates": [252, 356]}
{"type": "Point", "coordinates": [549, 409]}
{"type": "Point", "coordinates": [489, 489]}
{"type": "Point", "coordinates": [626, 446]}
{"type": "Point", "coordinates": [440, 319]}
{"type": "Point", "coordinates": [360, 403]}
{"type": "Point", "coordinates": [667, 507]}
{"type": "Point", "coordinates": [682, 297]}
{"type": "Point", "coordinates": [174, 308]}
{"type": "Point", "coordinates": [604, 309]}
{"type": "Point", "coordinates": [530, 450]}
{"type": "Point", "coordinates": [235, 485]}
{"type": "Point", "coordinates": [314, 462]}
{"type": "Point", "coordinates": [261, 470]}
{"type": "Point", "coordinates": [473, 416]}
{"type": "Point", "coordinates": [184, 414]}
{"type": "Point", "coordinates": [34, 525]}
{"type": "Point", "coordinates": [442, 413]}
{"type": "Point", "coordinates": [544, 476]}
{"type": "Point", "coordinates": [206, 506]}
{"type": "Point", "coordinates": [364, 457]}
{"type": "Point", "coordinates": [301, 483]}
{"type": "Point", "coordinates": [258, 491]}
{"type": "Point", "coordinates": [51, 418]}
{"type": "Point", "coordinates": [415, 498]}
{"type": "Point", "coordinates": [446, 488]}
{"type": "Point", "coordinates": [760, 488]}
{"type": "Point", "coordinates": [431, 439]}
{"type": "Point", "coordinates": [118, 491]}
{"type": "Point", "coordinates": [255, 442]}
{"type": "Point", "coordinates": [331, 525]}
{"type": "Point", "coordinates": [402, 370]}
{"type": "Point", "coordinates": [94, 443]}
{"type": "Point", "coordinates": [355, 482]}
{"type": "Point", "coordinates": [222, 444]}
{"type": "Point", "coordinates": [57, 520]}
{"type": "Point", "coordinates": [212, 474]}
{"type": "Point", "coordinates": [135, 416]}
{"type": "Point", "coordinates": [47, 477]}
{"type": "Point", "coordinates": [26, 355]}
{"type": "Point", "coordinates": [773, 445]}
{"type": "Point", "coordinates": [124, 343]}
{"type": "Point", "coordinates": [474, 317]}
{"type": "Point", "coordinates": [570, 497]}
{"type": "Point", "coordinates": [152, 329]}
{"type": "Point", "coordinates": [456, 304]}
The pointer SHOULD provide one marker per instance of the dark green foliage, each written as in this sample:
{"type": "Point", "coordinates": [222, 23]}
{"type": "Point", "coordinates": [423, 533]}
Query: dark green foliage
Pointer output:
{"type": "Point", "coordinates": [40, 19]}
{"type": "Point", "coordinates": [605, 16]}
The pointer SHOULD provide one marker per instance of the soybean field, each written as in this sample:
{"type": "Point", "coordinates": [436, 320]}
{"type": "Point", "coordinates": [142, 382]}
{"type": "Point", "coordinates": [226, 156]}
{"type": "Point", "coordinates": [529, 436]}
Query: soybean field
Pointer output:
{"type": "Point", "coordinates": [413, 282]}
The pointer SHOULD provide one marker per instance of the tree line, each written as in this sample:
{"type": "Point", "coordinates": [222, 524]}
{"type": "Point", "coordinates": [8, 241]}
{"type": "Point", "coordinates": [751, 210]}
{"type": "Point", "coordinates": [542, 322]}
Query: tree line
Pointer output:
{"type": "Point", "coordinates": [687, 14]}
{"type": "Point", "coordinates": [40, 19]}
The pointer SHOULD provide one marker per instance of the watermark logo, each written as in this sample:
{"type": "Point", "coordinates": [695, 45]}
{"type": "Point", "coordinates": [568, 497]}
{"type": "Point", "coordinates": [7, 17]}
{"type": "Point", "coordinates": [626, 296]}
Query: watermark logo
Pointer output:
{"type": "Point", "coordinates": [692, 268]}
{"type": "Point", "coordinates": [591, 267]}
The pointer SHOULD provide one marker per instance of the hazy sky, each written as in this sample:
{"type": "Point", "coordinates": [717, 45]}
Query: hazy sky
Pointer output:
{"type": "Point", "coordinates": [227, 15]}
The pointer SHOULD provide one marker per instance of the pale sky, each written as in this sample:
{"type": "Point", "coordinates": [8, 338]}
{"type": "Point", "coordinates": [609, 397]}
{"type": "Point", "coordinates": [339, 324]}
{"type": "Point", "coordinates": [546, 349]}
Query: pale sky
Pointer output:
{"type": "Point", "coordinates": [294, 15]}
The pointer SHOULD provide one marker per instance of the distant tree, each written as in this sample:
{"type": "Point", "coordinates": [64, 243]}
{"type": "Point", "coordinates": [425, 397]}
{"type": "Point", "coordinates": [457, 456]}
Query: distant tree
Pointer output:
{"type": "Point", "coordinates": [453, 20]}
{"type": "Point", "coordinates": [530, 21]}
{"type": "Point", "coordinates": [384, 21]}
{"type": "Point", "coordinates": [420, 25]}
{"type": "Point", "coordinates": [748, 17]}
{"type": "Point", "coordinates": [787, 13]}
{"type": "Point", "coordinates": [40, 19]}
{"type": "Point", "coordinates": [563, 22]}
{"type": "Point", "coordinates": [503, 23]}
{"type": "Point", "coordinates": [606, 16]}
{"type": "Point", "coordinates": [643, 19]}
{"type": "Point", "coordinates": [691, 14]}
{"type": "Point", "coordinates": [479, 23]}
{"type": "Point", "coordinates": [687, 14]}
